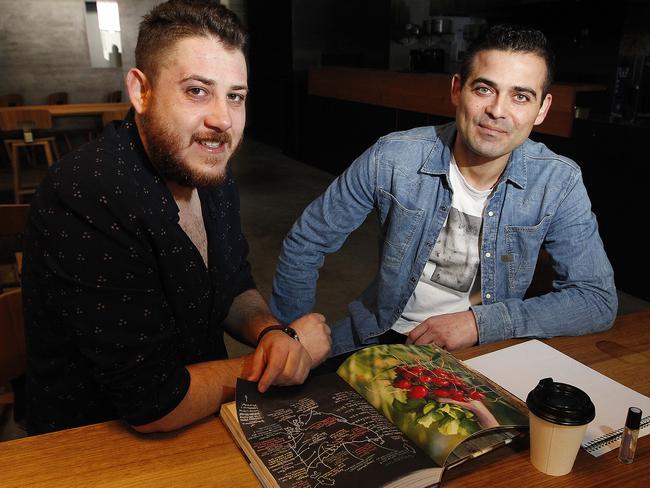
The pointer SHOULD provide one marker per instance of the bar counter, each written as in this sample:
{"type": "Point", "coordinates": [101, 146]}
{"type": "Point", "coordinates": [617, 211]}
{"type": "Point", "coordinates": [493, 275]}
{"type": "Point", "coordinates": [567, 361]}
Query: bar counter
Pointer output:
{"type": "Point", "coordinates": [428, 93]}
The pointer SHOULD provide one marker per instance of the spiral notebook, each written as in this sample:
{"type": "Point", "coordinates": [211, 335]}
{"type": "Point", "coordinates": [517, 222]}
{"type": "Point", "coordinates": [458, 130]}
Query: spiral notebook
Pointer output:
{"type": "Point", "coordinates": [519, 368]}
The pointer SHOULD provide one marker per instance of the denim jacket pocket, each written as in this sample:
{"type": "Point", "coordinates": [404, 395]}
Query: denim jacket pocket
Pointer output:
{"type": "Point", "coordinates": [523, 243]}
{"type": "Point", "coordinates": [398, 226]}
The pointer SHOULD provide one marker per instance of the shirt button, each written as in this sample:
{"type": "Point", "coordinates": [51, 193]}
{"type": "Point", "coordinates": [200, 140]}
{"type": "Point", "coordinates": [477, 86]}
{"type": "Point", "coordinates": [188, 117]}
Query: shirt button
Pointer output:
{"type": "Point", "coordinates": [443, 209]}
{"type": "Point", "coordinates": [488, 295]}
{"type": "Point", "coordinates": [487, 254]}
{"type": "Point", "coordinates": [490, 213]}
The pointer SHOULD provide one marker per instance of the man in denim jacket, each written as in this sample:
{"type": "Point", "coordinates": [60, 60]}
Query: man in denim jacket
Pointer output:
{"type": "Point", "coordinates": [464, 210]}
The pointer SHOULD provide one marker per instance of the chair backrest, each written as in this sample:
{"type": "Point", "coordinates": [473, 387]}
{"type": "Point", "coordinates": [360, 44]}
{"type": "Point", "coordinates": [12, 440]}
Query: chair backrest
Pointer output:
{"type": "Point", "coordinates": [13, 222]}
{"type": "Point", "coordinates": [113, 115]}
{"type": "Point", "coordinates": [11, 100]}
{"type": "Point", "coordinates": [13, 357]}
{"type": "Point", "coordinates": [13, 219]}
{"type": "Point", "coordinates": [114, 96]}
{"type": "Point", "coordinates": [58, 98]}
{"type": "Point", "coordinates": [17, 119]}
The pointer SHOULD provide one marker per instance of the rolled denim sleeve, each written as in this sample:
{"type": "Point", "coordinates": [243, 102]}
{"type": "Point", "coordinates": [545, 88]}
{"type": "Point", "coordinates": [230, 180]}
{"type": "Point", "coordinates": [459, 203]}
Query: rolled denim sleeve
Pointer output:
{"type": "Point", "coordinates": [322, 228]}
{"type": "Point", "coordinates": [584, 297]}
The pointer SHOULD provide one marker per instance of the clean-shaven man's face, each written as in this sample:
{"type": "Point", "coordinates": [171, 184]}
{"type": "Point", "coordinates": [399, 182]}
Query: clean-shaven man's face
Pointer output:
{"type": "Point", "coordinates": [499, 103]}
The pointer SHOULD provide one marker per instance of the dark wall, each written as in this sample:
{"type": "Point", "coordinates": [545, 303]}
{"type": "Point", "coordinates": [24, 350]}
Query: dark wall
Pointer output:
{"type": "Point", "coordinates": [270, 71]}
{"type": "Point", "coordinates": [288, 36]}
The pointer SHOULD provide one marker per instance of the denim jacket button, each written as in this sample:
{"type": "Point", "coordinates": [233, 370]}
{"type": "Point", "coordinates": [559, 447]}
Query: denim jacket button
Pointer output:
{"type": "Point", "coordinates": [488, 295]}
{"type": "Point", "coordinates": [490, 213]}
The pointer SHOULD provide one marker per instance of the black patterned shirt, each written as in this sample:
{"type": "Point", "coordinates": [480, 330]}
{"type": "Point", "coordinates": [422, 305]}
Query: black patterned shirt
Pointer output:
{"type": "Point", "coordinates": [117, 298]}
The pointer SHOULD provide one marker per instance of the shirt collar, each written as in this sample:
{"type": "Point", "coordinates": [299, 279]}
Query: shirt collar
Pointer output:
{"type": "Point", "coordinates": [438, 159]}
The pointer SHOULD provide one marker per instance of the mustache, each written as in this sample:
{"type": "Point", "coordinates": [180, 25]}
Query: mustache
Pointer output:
{"type": "Point", "coordinates": [217, 137]}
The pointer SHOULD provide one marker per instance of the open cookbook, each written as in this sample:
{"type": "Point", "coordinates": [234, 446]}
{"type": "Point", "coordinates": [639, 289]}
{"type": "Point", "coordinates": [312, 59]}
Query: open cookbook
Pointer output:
{"type": "Point", "coordinates": [392, 415]}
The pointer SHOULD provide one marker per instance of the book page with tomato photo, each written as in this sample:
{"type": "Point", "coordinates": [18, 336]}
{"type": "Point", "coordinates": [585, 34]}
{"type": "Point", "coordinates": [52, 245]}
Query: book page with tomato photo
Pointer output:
{"type": "Point", "coordinates": [429, 395]}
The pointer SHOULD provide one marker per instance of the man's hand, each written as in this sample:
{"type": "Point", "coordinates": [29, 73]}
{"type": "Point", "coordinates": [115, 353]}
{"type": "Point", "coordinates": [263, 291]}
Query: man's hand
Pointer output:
{"type": "Point", "coordinates": [281, 360]}
{"type": "Point", "coordinates": [450, 331]}
{"type": "Point", "coordinates": [315, 336]}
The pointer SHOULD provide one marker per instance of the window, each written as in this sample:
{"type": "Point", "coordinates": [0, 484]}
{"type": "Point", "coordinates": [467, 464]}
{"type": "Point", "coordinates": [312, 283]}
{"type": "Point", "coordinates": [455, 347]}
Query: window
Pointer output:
{"type": "Point", "coordinates": [103, 31]}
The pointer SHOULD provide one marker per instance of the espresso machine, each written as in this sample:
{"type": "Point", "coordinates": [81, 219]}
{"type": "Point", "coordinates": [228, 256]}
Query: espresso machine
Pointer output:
{"type": "Point", "coordinates": [442, 42]}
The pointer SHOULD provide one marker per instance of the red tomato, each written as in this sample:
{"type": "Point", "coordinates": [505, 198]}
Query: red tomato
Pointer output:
{"type": "Point", "coordinates": [416, 369]}
{"type": "Point", "coordinates": [476, 395]}
{"type": "Point", "coordinates": [441, 392]}
{"type": "Point", "coordinates": [417, 392]}
{"type": "Point", "coordinates": [441, 372]}
{"type": "Point", "coordinates": [424, 378]}
{"type": "Point", "coordinates": [457, 395]}
{"type": "Point", "coordinates": [440, 382]}
{"type": "Point", "coordinates": [403, 384]}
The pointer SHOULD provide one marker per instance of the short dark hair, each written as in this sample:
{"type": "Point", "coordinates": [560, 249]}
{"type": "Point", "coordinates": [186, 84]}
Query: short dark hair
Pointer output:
{"type": "Point", "coordinates": [504, 37]}
{"type": "Point", "coordinates": [174, 20]}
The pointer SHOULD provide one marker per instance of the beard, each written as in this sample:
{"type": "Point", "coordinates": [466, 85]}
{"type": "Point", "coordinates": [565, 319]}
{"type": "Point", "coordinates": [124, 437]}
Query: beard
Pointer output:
{"type": "Point", "coordinates": [164, 146]}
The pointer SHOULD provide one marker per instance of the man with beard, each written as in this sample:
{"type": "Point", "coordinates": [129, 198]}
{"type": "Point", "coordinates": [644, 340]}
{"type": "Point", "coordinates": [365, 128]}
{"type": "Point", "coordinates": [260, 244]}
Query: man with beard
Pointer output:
{"type": "Point", "coordinates": [135, 263]}
{"type": "Point", "coordinates": [464, 209]}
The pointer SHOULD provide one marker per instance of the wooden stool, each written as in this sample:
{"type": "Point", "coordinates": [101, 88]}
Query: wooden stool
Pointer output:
{"type": "Point", "coordinates": [27, 120]}
{"type": "Point", "coordinates": [51, 155]}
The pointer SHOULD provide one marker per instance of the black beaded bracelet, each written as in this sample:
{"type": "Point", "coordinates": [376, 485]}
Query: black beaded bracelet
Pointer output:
{"type": "Point", "coordinates": [287, 330]}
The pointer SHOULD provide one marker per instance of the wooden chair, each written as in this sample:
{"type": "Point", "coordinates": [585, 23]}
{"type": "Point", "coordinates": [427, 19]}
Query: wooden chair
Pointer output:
{"type": "Point", "coordinates": [13, 221]}
{"type": "Point", "coordinates": [26, 120]}
{"type": "Point", "coordinates": [58, 98]}
{"type": "Point", "coordinates": [11, 100]}
{"type": "Point", "coordinates": [108, 117]}
{"type": "Point", "coordinates": [13, 357]}
{"type": "Point", "coordinates": [114, 96]}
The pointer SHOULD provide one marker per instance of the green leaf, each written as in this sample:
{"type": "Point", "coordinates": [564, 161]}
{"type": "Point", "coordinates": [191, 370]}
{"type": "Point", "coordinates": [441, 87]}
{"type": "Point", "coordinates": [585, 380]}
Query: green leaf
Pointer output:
{"type": "Point", "coordinates": [446, 407]}
{"type": "Point", "coordinates": [467, 427]}
{"type": "Point", "coordinates": [428, 407]}
{"type": "Point", "coordinates": [454, 411]}
{"type": "Point", "coordinates": [448, 427]}
{"type": "Point", "coordinates": [431, 417]}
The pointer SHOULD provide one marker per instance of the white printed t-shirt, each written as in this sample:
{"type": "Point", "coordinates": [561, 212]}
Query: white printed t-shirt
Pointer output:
{"type": "Point", "coordinates": [448, 283]}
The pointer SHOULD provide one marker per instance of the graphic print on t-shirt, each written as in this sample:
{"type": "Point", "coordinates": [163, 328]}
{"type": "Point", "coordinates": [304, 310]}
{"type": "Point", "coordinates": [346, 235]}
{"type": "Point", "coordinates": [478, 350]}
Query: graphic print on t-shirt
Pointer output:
{"type": "Point", "coordinates": [455, 254]}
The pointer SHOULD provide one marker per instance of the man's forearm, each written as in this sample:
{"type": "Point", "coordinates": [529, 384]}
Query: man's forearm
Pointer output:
{"type": "Point", "coordinates": [211, 384]}
{"type": "Point", "coordinates": [568, 312]}
{"type": "Point", "coordinates": [248, 316]}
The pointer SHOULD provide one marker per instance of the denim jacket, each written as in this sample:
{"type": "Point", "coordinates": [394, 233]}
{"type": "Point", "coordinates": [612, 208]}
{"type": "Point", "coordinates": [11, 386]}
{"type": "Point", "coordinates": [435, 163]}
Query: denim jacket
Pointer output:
{"type": "Point", "coordinates": [540, 201]}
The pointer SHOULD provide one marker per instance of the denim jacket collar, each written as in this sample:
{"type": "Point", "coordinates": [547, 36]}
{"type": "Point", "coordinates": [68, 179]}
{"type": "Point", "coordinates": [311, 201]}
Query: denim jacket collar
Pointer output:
{"type": "Point", "coordinates": [438, 160]}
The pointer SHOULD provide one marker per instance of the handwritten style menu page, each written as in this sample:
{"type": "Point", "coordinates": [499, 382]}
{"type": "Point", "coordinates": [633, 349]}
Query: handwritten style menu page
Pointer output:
{"type": "Point", "coordinates": [305, 444]}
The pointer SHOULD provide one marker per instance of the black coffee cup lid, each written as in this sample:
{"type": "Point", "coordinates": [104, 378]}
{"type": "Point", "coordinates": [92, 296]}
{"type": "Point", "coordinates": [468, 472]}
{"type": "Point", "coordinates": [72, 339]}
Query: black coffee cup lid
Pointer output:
{"type": "Point", "coordinates": [560, 403]}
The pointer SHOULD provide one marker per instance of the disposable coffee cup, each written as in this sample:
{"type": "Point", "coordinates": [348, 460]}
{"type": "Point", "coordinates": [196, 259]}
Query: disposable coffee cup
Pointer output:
{"type": "Point", "coordinates": [559, 415]}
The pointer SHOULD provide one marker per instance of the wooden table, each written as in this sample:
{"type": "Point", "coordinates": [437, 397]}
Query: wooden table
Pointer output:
{"type": "Point", "coordinates": [110, 454]}
{"type": "Point", "coordinates": [75, 109]}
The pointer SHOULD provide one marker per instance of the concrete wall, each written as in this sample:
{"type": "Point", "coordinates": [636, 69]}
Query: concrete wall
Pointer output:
{"type": "Point", "coordinates": [44, 49]}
